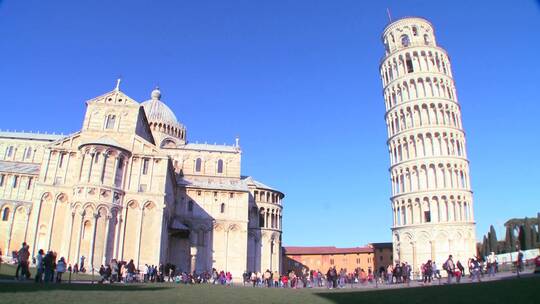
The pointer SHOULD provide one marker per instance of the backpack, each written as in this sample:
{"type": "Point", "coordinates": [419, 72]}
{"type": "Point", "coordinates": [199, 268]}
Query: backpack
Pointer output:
{"type": "Point", "coordinates": [445, 265]}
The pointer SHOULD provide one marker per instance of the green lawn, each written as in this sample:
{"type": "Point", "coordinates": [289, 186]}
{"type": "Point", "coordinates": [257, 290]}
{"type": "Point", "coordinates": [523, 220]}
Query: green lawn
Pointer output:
{"type": "Point", "coordinates": [7, 271]}
{"type": "Point", "coordinates": [505, 291]}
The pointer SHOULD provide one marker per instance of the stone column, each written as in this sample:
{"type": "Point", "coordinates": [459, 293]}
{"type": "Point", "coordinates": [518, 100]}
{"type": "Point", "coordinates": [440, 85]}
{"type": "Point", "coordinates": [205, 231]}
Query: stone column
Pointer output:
{"type": "Point", "coordinates": [116, 240]}
{"type": "Point", "coordinates": [70, 231]}
{"type": "Point", "coordinates": [51, 224]}
{"type": "Point", "coordinates": [40, 204]}
{"type": "Point", "coordinates": [115, 171]}
{"type": "Point", "coordinates": [193, 260]}
{"type": "Point", "coordinates": [103, 167]}
{"type": "Point", "coordinates": [82, 213]}
{"type": "Point", "coordinates": [106, 239]}
{"type": "Point", "coordinates": [67, 167]}
{"type": "Point", "coordinates": [28, 210]}
{"type": "Point", "coordinates": [56, 167]}
{"type": "Point", "coordinates": [10, 231]}
{"type": "Point", "coordinates": [122, 235]}
{"type": "Point", "coordinates": [93, 243]}
{"type": "Point", "coordinates": [139, 237]}
{"type": "Point", "coordinates": [82, 165]}
{"type": "Point", "coordinates": [89, 176]}
{"type": "Point", "coordinates": [47, 167]}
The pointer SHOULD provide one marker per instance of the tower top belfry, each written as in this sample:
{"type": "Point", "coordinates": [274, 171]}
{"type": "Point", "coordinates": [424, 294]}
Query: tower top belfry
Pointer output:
{"type": "Point", "coordinates": [408, 32]}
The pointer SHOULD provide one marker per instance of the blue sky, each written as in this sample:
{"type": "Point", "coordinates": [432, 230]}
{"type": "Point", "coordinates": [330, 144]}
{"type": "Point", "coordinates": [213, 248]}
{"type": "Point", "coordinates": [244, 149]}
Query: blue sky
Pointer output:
{"type": "Point", "coordinates": [298, 81]}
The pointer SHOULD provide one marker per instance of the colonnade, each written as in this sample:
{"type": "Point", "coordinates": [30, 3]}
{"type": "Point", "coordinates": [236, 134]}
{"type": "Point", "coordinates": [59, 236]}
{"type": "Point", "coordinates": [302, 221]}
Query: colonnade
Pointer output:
{"type": "Point", "coordinates": [420, 59]}
{"type": "Point", "coordinates": [102, 166]}
{"type": "Point", "coordinates": [436, 209]}
{"type": "Point", "coordinates": [423, 114]}
{"type": "Point", "coordinates": [268, 217]}
{"type": "Point", "coordinates": [16, 217]}
{"type": "Point", "coordinates": [415, 144]}
{"type": "Point", "coordinates": [428, 176]}
{"type": "Point", "coordinates": [176, 131]}
{"type": "Point", "coordinates": [99, 232]}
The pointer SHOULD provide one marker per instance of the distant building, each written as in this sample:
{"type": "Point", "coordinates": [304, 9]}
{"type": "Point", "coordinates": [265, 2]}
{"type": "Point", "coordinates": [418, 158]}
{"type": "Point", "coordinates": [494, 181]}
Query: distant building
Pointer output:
{"type": "Point", "coordinates": [322, 258]}
{"type": "Point", "coordinates": [383, 254]}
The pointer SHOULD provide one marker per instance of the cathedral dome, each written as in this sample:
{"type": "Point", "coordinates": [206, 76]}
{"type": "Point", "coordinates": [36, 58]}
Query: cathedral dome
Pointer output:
{"type": "Point", "coordinates": [157, 111]}
{"type": "Point", "coordinates": [162, 119]}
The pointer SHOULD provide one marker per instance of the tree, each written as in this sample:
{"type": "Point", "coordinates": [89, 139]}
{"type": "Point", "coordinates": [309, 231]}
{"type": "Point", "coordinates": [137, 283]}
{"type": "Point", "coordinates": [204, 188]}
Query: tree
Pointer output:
{"type": "Point", "coordinates": [527, 235]}
{"type": "Point", "coordinates": [509, 240]}
{"type": "Point", "coordinates": [485, 246]}
{"type": "Point", "coordinates": [521, 238]}
{"type": "Point", "coordinates": [492, 239]}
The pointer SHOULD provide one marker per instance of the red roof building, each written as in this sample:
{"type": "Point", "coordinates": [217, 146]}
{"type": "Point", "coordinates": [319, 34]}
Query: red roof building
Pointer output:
{"type": "Point", "coordinates": [322, 258]}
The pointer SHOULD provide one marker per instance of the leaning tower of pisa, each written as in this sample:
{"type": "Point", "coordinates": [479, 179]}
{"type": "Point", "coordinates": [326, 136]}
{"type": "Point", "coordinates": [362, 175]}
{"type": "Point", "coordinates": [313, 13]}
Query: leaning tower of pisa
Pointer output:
{"type": "Point", "coordinates": [431, 199]}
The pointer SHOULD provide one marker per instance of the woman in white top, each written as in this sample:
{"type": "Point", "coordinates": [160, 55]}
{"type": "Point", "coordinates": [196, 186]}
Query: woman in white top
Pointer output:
{"type": "Point", "coordinates": [60, 269]}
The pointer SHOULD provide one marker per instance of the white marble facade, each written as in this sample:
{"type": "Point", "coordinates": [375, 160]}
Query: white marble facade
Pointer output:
{"type": "Point", "coordinates": [129, 185]}
{"type": "Point", "coordinates": [431, 201]}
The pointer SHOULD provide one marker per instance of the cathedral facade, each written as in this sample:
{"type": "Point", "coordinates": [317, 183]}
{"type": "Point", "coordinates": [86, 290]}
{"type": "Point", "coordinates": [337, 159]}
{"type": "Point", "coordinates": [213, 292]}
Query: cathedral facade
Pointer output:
{"type": "Point", "coordinates": [129, 186]}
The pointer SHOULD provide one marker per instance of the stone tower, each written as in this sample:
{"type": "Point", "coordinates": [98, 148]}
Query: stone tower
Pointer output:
{"type": "Point", "coordinates": [431, 199]}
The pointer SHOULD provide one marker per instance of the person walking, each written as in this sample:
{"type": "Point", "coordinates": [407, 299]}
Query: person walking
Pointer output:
{"type": "Point", "coordinates": [130, 271]}
{"type": "Point", "coordinates": [48, 267]}
{"type": "Point", "coordinates": [475, 270]}
{"type": "Point", "coordinates": [60, 269]}
{"type": "Point", "coordinates": [81, 267]}
{"type": "Point", "coordinates": [436, 272]}
{"type": "Point", "coordinates": [450, 268]}
{"type": "Point", "coordinates": [39, 267]}
{"type": "Point", "coordinates": [519, 264]}
{"type": "Point", "coordinates": [461, 271]}
{"type": "Point", "coordinates": [23, 258]}
{"type": "Point", "coordinates": [114, 271]}
{"type": "Point", "coordinates": [427, 271]}
{"type": "Point", "coordinates": [266, 276]}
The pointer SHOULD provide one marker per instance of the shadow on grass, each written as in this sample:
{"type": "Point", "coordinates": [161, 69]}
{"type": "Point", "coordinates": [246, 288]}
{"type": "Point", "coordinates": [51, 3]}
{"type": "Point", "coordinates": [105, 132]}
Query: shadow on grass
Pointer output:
{"type": "Point", "coordinates": [33, 287]}
{"type": "Point", "coordinates": [505, 291]}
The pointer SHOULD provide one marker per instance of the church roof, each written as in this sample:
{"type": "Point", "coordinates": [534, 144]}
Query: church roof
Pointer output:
{"type": "Point", "coordinates": [251, 181]}
{"type": "Point", "coordinates": [157, 111]}
{"type": "Point", "coordinates": [210, 147]}
{"type": "Point", "coordinates": [31, 136]}
{"type": "Point", "coordinates": [20, 168]}
{"type": "Point", "coordinates": [104, 141]}
{"type": "Point", "coordinates": [297, 250]}
{"type": "Point", "coordinates": [213, 183]}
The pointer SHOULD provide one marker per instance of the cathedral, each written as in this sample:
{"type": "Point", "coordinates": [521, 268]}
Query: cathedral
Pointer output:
{"type": "Point", "coordinates": [129, 186]}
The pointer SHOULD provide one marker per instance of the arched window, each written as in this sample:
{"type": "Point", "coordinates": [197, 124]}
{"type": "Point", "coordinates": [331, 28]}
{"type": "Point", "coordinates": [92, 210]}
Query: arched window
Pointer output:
{"type": "Point", "coordinates": [405, 40]}
{"type": "Point", "coordinates": [146, 162]}
{"type": "Point", "coordinates": [9, 151]}
{"type": "Point", "coordinates": [220, 166]}
{"type": "Point", "coordinates": [5, 214]}
{"type": "Point", "coordinates": [222, 208]}
{"type": "Point", "coordinates": [198, 164]}
{"type": "Point", "coordinates": [426, 38]}
{"type": "Point", "coordinates": [28, 152]}
{"type": "Point", "coordinates": [414, 31]}
{"type": "Point", "coordinates": [110, 121]}
{"type": "Point", "coordinates": [409, 63]}
{"type": "Point", "coordinates": [261, 218]}
{"type": "Point", "coordinates": [86, 229]}
{"type": "Point", "coordinates": [190, 206]}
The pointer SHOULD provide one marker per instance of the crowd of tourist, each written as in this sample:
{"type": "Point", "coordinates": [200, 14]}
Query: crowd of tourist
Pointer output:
{"type": "Point", "coordinates": [50, 268]}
